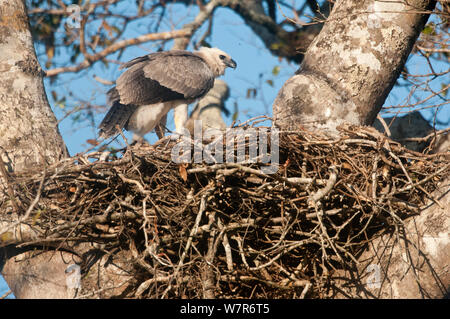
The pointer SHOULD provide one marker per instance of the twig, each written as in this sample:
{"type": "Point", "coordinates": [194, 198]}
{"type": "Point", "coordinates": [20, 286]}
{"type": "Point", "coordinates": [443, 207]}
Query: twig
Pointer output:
{"type": "Point", "coordinates": [402, 167]}
{"type": "Point", "coordinates": [297, 283]}
{"type": "Point", "coordinates": [189, 241]}
{"type": "Point", "coordinates": [208, 274]}
{"type": "Point", "coordinates": [160, 279]}
{"type": "Point", "coordinates": [118, 46]}
{"type": "Point", "coordinates": [385, 126]}
{"type": "Point", "coordinates": [9, 292]}
{"type": "Point", "coordinates": [238, 239]}
{"type": "Point", "coordinates": [286, 249]}
{"type": "Point", "coordinates": [305, 290]}
{"type": "Point", "coordinates": [134, 182]}
{"type": "Point", "coordinates": [29, 210]}
{"type": "Point", "coordinates": [426, 179]}
{"type": "Point", "coordinates": [315, 197]}
{"type": "Point", "coordinates": [425, 138]}
{"type": "Point", "coordinates": [226, 246]}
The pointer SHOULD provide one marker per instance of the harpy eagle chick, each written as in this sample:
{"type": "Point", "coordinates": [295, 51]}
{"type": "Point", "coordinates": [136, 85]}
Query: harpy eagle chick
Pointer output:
{"type": "Point", "coordinates": [155, 83]}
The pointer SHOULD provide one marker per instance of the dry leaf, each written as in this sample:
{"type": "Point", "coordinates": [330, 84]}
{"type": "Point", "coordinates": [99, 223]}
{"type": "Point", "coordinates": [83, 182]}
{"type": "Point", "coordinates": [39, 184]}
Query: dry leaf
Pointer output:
{"type": "Point", "coordinates": [5, 237]}
{"type": "Point", "coordinates": [346, 166]}
{"type": "Point", "coordinates": [183, 171]}
{"type": "Point", "coordinates": [92, 142]}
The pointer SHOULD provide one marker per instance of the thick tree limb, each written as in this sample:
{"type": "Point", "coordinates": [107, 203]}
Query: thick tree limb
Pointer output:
{"type": "Point", "coordinates": [290, 45]}
{"type": "Point", "coordinates": [118, 46]}
{"type": "Point", "coordinates": [352, 65]}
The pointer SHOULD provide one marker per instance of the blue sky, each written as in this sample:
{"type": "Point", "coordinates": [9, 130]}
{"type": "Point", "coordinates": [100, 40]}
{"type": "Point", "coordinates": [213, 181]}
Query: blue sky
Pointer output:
{"type": "Point", "coordinates": [255, 66]}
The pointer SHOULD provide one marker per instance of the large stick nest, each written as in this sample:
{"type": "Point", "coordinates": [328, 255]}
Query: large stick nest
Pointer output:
{"type": "Point", "coordinates": [229, 230]}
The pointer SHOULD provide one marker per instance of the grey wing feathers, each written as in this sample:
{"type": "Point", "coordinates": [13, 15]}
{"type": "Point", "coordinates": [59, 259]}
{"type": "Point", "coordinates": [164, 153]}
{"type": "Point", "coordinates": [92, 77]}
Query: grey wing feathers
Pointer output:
{"type": "Point", "coordinates": [111, 96]}
{"type": "Point", "coordinates": [164, 76]}
{"type": "Point", "coordinates": [118, 115]}
{"type": "Point", "coordinates": [134, 61]}
{"type": "Point", "coordinates": [154, 78]}
{"type": "Point", "coordinates": [134, 87]}
{"type": "Point", "coordinates": [182, 72]}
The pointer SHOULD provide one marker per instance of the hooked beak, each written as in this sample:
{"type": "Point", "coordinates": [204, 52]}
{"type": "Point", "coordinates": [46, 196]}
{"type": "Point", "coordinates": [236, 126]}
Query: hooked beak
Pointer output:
{"type": "Point", "coordinates": [231, 63]}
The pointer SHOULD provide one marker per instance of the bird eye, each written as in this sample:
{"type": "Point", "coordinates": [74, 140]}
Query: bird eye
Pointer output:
{"type": "Point", "coordinates": [222, 57]}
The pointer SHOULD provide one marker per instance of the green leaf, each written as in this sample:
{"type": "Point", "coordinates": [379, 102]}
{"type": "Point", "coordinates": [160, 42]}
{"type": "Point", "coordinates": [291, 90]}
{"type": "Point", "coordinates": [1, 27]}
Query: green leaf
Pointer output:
{"type": "Point", "coordinates": [275, 46]}
{"type": "Point", "coordinates": [445, 92]}
{"type": "Point", "coordinates": [61, 103]}
{"type": "Point", "coordinates": [429, 29]}
{"type": "Point", "coordinates": [276, 70]}
{"type": "Point", "coordinates": [235, 113]}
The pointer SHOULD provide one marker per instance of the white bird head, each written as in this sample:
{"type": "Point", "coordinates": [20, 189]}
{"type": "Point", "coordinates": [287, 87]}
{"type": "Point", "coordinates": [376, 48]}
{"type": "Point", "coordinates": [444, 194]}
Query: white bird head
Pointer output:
{"type": "Point", "coordinates": [217, 60]}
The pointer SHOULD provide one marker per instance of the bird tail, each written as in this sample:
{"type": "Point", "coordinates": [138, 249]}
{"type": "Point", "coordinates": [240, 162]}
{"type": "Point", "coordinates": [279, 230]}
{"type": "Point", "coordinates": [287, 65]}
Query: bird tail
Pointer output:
{"type": "Point", "coordinates": [118, 115]}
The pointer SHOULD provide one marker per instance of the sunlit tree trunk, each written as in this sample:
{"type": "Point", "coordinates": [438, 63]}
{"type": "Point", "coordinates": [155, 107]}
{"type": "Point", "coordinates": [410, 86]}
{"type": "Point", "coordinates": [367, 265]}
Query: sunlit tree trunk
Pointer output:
{"type": "Point", "coordinates": [352, 65]}
{"type": "Point", "coordinates": [29, 138]}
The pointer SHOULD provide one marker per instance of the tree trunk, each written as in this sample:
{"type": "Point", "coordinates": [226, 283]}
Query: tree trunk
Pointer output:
{"type": "Point", "coordinates": [29, 134]}
{"type": "Point", "coordinates": [29, 137]}
{"type": "Point", "coordinates": [352, 65]}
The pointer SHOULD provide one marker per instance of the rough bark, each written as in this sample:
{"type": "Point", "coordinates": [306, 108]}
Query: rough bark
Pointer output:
{"type": "Point", "coordinates": [352, 65]}
{"type": "Point", "coordinates": [39, 276]}
{"type": "Point", "coordinates": [28, 128]}
{"type": "Point", "coordinates": [29, 137]}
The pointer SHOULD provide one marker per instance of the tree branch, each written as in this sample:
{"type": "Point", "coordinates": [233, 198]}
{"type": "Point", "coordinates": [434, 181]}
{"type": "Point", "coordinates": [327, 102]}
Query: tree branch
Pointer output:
{"type": "Point", "coordinates": [118, 46]}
